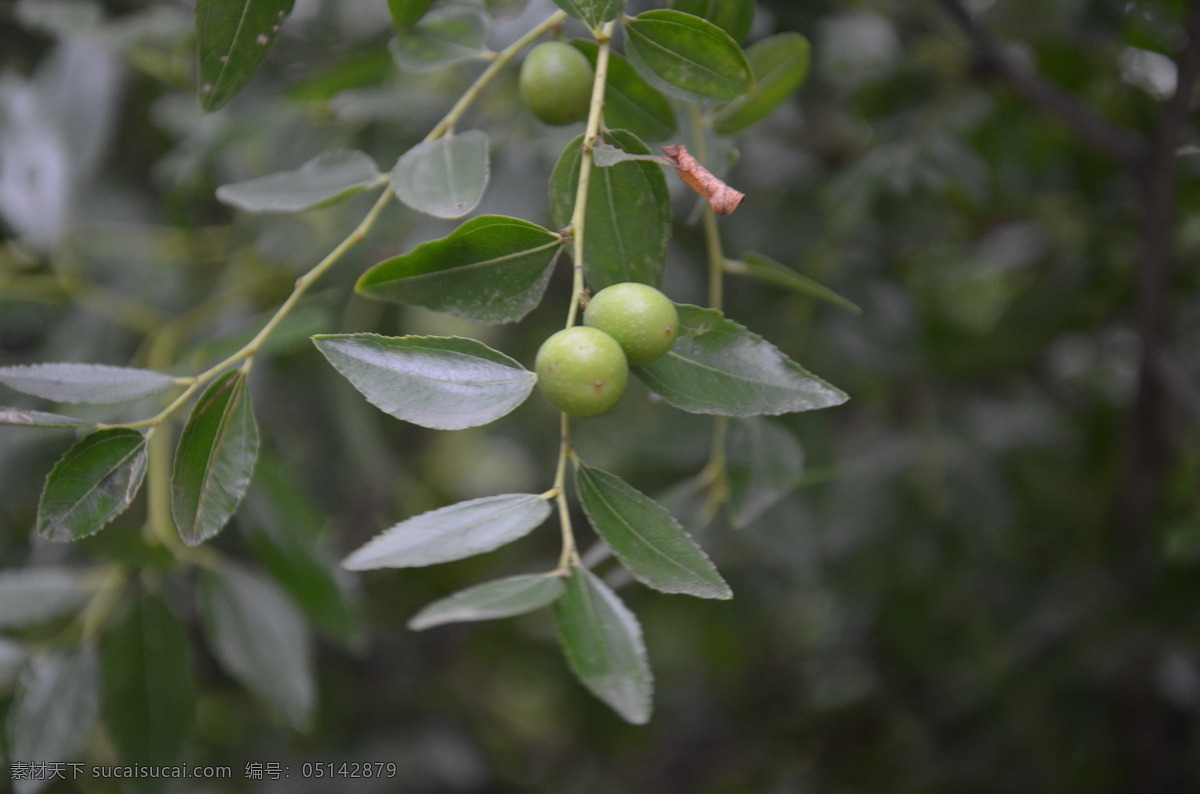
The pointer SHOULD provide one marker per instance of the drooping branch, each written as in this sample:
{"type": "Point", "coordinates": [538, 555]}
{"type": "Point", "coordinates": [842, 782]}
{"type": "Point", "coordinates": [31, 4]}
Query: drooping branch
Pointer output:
{"type": "Point", "coordinates": [1120, 143]}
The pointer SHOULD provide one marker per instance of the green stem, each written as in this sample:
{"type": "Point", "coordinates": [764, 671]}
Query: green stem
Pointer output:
{"type": "Point", "coordinates": [570, 552]}
{"type": "Point", "coordinates": [499, 61]}
{"type": "Point", "coordinates": [578, 216]}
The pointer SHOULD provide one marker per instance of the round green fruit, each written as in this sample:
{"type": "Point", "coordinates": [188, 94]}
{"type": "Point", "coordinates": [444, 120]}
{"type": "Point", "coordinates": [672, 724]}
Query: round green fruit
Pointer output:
{"type": "Point", "coordinates": [556, 83]}
{"type": "Point", "coordinates": [582, 371]}
{"type": "Point", "coordinates": [642, 320]}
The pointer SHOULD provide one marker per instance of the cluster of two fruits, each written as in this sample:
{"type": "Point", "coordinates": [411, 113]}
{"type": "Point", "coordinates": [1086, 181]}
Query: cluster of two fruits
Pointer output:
{"type": "Point", "coordinates": [583, 369]}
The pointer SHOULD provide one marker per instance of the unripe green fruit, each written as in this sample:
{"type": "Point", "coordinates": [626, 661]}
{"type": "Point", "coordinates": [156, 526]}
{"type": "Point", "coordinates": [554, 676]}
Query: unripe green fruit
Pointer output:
{"type": "Point", "coordinates": [582, 371]}
{"type": "Point", "coordinates": [556, 83]}
{"type": "Point", "coordinates": [642, 320]}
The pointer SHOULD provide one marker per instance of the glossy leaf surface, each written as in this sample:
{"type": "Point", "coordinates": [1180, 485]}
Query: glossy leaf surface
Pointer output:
{"type": "Point", "coordinates": [453, 532]}
{"type": "Point", "coordinates": [234, 37]}
{"type": "Point", "coordinates": [443, 36]}
{"type": "Point", "coordinates": [593, 12]}
{"type": "Point", "coordinates": [447, 383]}
{"type": "Point", "coordinates": [502, 598]}
{"type": "Point", "coordinates": [92, 484]}
{"type": "Point", "coordinates": [688, 56]}
{"type": "Point", "coordinates": [646, 538]}
{"type": "Point", "coordinates": [491, 269]}
{"type": "Point", "coordinates": [628, 213]}
{"type": "Point", "coordinates": [732, 16]}
{"type": "Point", "coordinates": [719, 367]}
{"type": "Point", "coordinates": [602, 641]}
{"type": "Point", "coordinates": [215, 459]}
{"type": "Point", "coordinates": [84, 383]}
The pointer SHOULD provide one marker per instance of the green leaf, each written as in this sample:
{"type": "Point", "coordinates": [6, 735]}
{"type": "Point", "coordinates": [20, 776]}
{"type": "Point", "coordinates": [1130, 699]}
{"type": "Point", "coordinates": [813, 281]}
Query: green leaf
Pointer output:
{"type": "Point", "coordinates": [646, 538]}
{"type": "Point", "coordinates": [763, 464]}
{"type": "Point", "coordinates": [443, 36]}
{"type": "Point", "coordinates": [34, 595]}
{"type": "Point", "coordinates": [452, 533]}
{"type": "Point", "coordinates": [445, 178]}
{"type": "Point", "coordinates": [780, 64]}
{"type": "Point", "coordinates": [406, 13]}
{"type": "Point", "coordinates": [769, 271]}
{"type": "Point", "coordinates": [22, 417]}
{"type": "Point", "coordinates": [289, 535]}
{"type": "Point", "coordinates": [718, 367]}
{"type": "Point", "coordinates": [326, 178]}
{"type": "Point", "coordinates": [261, 639]}
{"type": "Point", "coordinates": [214, 460]}
{"type": "Point", "coordinates": [732, 16]}
{"type": "Point", "coordinates": [593, 12]}
{"type": "Point", "coordinates": [55, 709]}
{"type": "Point", "coordinates": [603, 644]}
{"type": "Point", "coordinates": [628, 213]}
{"type": "Point", "coordinates": [92, 484]}
{"type": "Point", "coordinates": [502, 598]}
{"type": "Point", "coordinates": [492, 269]}
{"type": "Point", "coordinates": [446, 383]}
{"type": "Point", "coordinates": [631, 103]}
{"type": "Point", "coordinates": [687, 56]}
{"type": "Point", "coordinates": [234, 37]}
{"type": "Point", "coordinates": [84, 383]}
{"type": "Point", "coordinates": [149, 694]}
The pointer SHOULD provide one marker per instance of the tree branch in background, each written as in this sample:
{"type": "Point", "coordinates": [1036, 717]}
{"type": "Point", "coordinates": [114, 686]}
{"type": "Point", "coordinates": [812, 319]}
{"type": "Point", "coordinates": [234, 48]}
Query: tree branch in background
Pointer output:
{"type": "Point", "coordinates": [1120, 143]}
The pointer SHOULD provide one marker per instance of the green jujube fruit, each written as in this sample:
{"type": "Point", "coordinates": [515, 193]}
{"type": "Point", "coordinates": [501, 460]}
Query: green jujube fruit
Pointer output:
{"type": "Point", "coordinates": [556, 83]}
{"type": "Point", "coordinates": [582, 371]}
{"type": "Point", "coordinates": [642, 320]}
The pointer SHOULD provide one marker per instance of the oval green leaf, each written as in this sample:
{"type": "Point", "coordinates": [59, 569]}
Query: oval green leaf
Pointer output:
{"type": "Point", "coordinates": [452, 533]}
{"type": "Point", "coordinates": [502, 598]}
{"type": "Point", "coordinates": [763, 464]}
{"type": "Point", "coordinates": [445, 178]}
{"type": "Point", "coordinates": [443, 36]}
{"type": "Point", "coordinates": [646, 538]}
{"type": "Point", "coordinates": [732, 16]}
{"type": "Point", "coordinates": [688, 56]}
{"type": "Point", "coordinates": [327, 178]}
{"type": "Point", "coordinates": [628, 213]}
{"type": "Point", "coordinates": [447, 383]}
{"type": "Point", "coordinates": [602, 641]}
{"type": "Point", "coordinates": [149, 694]}
{"type": "Point", "coordinates": [719, 367]}
{"type": "Point", "coordinates": [34, 595]}
{"type": "Point", "coordinates": [234, 37]}
{"type": "Point", "coordinates": [769, 271]}
{"type": "Point", "coordinates": [21, 417]}
{"type": "Point", "coordinates": [84, 383]}
{"type": "Point", "coordinates": [214, 460]}
{"type": "Point", "coordinates": [261, 639]}
{"type": "Point", "coordinates": [92, 484]}
{"type": "Point", "coordinates": [631, 103]}
{"type": "Point", "coordinates": [55, 708]}
{"type": "Point", "coordinates": [780, 64]}
{"type": "Point", "coordinates": [593, 12]}
{"type": "Point", "coordinates": [492, 269]}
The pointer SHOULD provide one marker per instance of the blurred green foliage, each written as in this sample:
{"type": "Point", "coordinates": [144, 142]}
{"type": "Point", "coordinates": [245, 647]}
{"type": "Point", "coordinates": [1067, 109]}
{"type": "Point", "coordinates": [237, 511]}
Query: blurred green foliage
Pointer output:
{"type": "Point", "coordinates": [981, 583]}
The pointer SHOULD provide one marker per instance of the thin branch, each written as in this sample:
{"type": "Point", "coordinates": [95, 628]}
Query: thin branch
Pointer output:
{"type": "Point", "coordinates": [1118, 142]}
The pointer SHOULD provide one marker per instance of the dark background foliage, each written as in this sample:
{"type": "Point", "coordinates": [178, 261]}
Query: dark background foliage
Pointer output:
{"type": "Point", "coordinates": [988, 577]}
